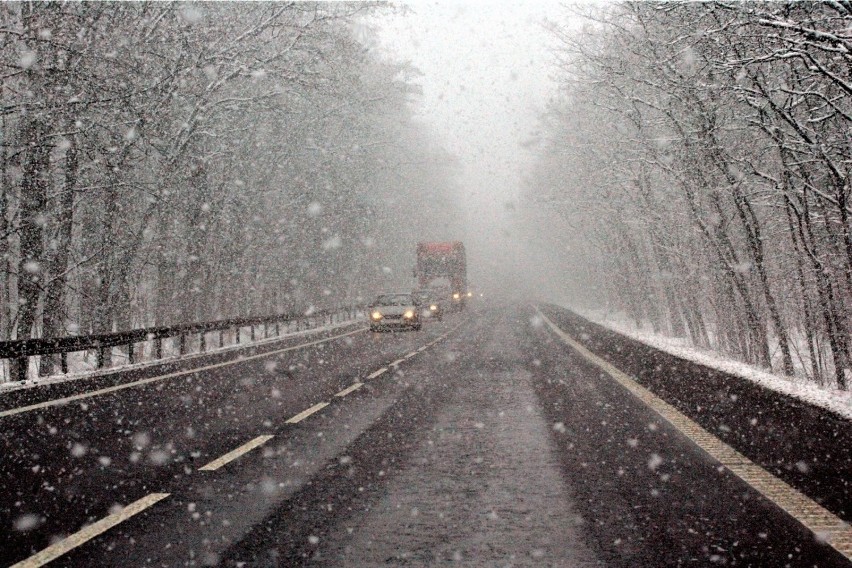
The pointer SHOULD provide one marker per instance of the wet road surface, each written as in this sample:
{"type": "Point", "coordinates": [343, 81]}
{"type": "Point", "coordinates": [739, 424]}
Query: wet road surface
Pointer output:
{"type": "Point", "coordinates": [485, 441]}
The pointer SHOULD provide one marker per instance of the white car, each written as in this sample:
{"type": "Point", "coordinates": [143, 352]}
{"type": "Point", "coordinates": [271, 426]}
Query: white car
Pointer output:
{"type": "Point", "coordinates": [391, 311]}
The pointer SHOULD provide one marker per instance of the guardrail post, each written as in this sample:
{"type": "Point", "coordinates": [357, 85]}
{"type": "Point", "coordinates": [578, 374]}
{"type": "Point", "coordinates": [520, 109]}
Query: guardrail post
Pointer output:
{"type": "Point", "coordinates": [221, 338]}
{"type": "Point", "coordinates": [237, 332]}
{"type": "Point", "coordinates": [21, 364]}
{"type": "Point", "coordinates": [182, 344]}
{"type": "Point", "coordinates": [252, 332]}
{"type": "Point", "coordinates": [63, 362]}
{"type": "Point", "coordinates": [277, 329]}
{"type": "Point", "coordinates": [101, 357]}
{"type": "Point", "coordinates": [158, 348]}
{"type": "Point", "coordinates": [131, 354]}
{"type": "Point", "coordinates": [202, 342]}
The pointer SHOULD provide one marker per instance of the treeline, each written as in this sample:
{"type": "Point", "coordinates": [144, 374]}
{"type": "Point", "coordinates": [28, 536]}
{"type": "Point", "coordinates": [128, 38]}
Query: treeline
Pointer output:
{"type": "Point", "coordinates": [168, 162]}
{"type": "Point", "coordinates": [703, 151]}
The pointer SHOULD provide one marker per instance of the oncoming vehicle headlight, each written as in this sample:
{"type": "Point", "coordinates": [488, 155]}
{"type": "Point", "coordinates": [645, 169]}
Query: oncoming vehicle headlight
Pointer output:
{"type": "Point", "coordinates": [470, 294]}
{"type": "Point", "coordinates": [376, 315]}
{"type": "Point", "coordinates": [456, 296]}
{"type": "Point", "coordinates": [433, 307]}
{"type": "Point", "coordinates": [408, 314]}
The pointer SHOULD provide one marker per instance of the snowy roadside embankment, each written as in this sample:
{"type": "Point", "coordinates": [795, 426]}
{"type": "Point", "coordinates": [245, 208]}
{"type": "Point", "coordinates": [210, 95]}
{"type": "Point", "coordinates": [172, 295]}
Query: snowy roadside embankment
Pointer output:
{"type": "Point", "coordinates": [84, 370]}
{"type": "Point", "coordinates": [839, 402]}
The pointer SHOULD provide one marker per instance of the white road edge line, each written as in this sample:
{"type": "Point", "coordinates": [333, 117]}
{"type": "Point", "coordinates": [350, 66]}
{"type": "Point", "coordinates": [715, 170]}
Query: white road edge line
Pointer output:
{"type": "Point", "coordinates": [375, 374]}
{"type": "Point", "coordinates": [412, 354]}
{"type": "Point", "coordinates": [824, 524]}
{"type": "Point", "coordinates": [305, 413]}
{"type": "Point", "coordinates": [86, 534]}
{"type": "Point", "coordinates": [396, 363]}
{"type": "Point", "coordinates": [347, 390]}
{"type": "Point", "coordinates": [420, 350]}
{"type": "Point", "coordinates": [234, 454]}
{"type": "Point", "coordinates": [107, 390]}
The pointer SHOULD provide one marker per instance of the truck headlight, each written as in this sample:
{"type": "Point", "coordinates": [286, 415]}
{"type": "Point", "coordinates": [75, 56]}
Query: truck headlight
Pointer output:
{"type": "Point", "coordinates": [408, 314]}
{"type": "Point", "coordinates": [456, 296]}
{"type": "Point", "coordinates": [377, 315]}
{"type": "Point", "coordinates": [433, 307]}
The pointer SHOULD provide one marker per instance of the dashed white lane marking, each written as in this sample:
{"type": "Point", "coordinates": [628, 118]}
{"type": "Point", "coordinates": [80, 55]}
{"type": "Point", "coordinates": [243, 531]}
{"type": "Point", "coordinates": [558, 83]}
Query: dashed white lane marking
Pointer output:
{"type": "Point", "coordinates": [107, 390]}
{"type": "Point", "coordinates": [234, 454]}
{"type": "Point", "coordinates": [86, 534]}
{"type": "Point", "coordinates": [353, 387]}
{"type": "Point", "coordinates": [824, 524]}
{"type": "Point", "coordinates": [396, 363]}
{"type": "Point", "coordinates": [305, 413]}
{"type": "Point", "coordinates": [375, 374]}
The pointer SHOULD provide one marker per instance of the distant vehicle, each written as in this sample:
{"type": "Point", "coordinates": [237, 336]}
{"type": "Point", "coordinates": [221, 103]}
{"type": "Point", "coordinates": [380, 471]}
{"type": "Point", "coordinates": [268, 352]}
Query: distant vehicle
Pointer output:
{"type": "Point", "coordinates": [443, 261]}
{"type": "Point", "coordinates": [390, 311]}
{"type": "Point", "coordinates": [430, 303]}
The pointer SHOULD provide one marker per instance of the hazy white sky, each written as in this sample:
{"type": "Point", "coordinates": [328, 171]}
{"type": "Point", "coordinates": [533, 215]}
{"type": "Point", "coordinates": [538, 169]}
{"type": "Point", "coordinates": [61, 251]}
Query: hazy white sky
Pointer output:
{"type": "Point", "coordinates": [486, 76]}
{"type": "Point", "coordinates": [487, 69]}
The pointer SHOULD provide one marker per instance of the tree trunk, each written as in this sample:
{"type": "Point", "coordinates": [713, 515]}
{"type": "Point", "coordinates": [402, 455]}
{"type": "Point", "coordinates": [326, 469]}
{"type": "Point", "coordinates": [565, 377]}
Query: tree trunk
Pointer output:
{"type": "Point", "coordinates": [104, 308]}
{"type": "Point", "coordinates": [828, 305]}
{"type": "Point", "coordinates": [54, 301]}
{"type": "Point", "coordinates": [807, 308]}
{"type": "Point", "coordinates": [36, 164]}
{"type": "Point", "coordinates": [5, 265]}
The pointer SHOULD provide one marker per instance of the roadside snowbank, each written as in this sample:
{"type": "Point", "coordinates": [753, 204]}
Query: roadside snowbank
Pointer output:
{"type": "Point", "coordinates": [839, 402]}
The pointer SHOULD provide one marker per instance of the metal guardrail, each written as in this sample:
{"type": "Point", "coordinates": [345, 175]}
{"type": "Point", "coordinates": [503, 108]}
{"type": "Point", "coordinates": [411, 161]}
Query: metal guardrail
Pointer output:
{"type": "Point", "coordinates": [21, 350]}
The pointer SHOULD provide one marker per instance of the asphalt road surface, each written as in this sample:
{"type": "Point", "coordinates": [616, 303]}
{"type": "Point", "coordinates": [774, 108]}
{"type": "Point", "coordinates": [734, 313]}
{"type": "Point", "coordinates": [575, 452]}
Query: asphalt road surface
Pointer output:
{"type": "Point", "coordinates": [482, 440]}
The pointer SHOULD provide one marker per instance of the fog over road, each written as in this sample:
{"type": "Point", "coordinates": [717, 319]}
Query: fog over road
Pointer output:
{"type": "Point", "coordinates": [483, 440]}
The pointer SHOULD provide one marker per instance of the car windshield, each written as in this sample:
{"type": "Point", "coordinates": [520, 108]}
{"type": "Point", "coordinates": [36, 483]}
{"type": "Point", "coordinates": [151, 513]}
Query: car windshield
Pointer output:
{"type": "Point", "coordinates": [394, 300]}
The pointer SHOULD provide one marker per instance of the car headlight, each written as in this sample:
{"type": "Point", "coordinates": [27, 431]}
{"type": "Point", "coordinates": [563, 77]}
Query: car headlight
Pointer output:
{"type": "Point", "coordinates": [377, 315]}
{"type": "Point", "coordinates": [433, 307]}
{"type": "Point", "coordinates": [456, 296]}
{"type": "Point", "coordinates": [470, 294]}
{"type": "Point", "coordinates": [408, 314]}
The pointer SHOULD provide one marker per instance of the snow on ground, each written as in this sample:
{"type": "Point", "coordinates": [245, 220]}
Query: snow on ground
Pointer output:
{"type": "Point", "coordinates": [81, 367]}
{"type": "Point", "coordinates": [839, 402]}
